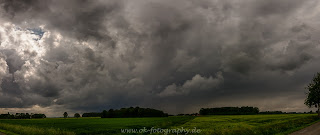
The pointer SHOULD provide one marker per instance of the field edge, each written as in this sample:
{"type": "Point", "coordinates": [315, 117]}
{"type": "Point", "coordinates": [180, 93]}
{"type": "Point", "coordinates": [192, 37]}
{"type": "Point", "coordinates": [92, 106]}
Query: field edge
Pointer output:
{"type": "Point", "coordinates": [298, 128]}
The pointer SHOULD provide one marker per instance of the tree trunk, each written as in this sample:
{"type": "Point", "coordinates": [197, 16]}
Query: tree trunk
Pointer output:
{"type": "Point", "coordinates": [318, 111]}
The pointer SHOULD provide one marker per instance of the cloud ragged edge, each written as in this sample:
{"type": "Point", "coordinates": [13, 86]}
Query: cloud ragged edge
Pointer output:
{"type": "Point", "coordinates": [198, 83]}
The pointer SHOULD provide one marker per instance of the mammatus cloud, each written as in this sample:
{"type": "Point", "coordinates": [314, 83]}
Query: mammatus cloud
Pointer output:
{"type": "Point", "coordinates": [177, 56]}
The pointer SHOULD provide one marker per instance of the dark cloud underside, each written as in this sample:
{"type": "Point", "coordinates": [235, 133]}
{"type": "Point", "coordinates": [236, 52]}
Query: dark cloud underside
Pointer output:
{"type": "Point", "coordinates": [177, 56]}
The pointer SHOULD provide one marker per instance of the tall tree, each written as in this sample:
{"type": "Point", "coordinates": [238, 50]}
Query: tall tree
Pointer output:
{"type": "Point", "coordinates": [65, 114]}
{"type": "Point", "coordinates": [313, 94]}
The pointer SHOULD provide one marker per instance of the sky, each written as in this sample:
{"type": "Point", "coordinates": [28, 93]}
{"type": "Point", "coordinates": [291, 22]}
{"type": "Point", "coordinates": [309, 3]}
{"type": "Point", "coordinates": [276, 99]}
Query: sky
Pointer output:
{"type": "Point", "coordinates": [176, 56]}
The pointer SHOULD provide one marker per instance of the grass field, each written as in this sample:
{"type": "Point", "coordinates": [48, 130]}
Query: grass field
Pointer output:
{"type": "Point", "coordinates": [211, 125]}
{"type": "Point", "coordinates": [281, 124]}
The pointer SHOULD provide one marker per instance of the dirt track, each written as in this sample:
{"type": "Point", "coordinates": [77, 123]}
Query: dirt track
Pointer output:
{"type": "Point", "coordinates": [311, 130]}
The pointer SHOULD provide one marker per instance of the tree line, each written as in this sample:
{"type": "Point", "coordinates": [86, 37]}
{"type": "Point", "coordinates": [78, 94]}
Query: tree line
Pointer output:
{"type": "Point", "coordinates": [272, 112]}
{"type": "Point", "coordinates": [229, 111]}
{"type": "Point", "coordinates": [123, 113]}
{"type": "Point", "coordinates": [133, 112]}
{"type": "Point", "coordinates": [22, 116]}
{"type": "Point", "coordinates": [92, 114]}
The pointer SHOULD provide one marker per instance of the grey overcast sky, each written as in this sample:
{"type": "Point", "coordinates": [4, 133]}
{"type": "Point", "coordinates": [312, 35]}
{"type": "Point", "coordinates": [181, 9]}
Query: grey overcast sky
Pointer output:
{"type": "Point", "coordinates": [177, 56]}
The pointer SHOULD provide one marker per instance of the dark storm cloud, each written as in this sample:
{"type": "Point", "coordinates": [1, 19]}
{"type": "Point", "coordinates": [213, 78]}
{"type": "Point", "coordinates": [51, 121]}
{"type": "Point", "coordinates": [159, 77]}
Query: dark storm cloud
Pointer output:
{"type": "Point", "coordinates": [82, 19]}
{"type": "Point", "coordinates": [13, 60]}
{"type": "Point", "coordinates": [172, 55]}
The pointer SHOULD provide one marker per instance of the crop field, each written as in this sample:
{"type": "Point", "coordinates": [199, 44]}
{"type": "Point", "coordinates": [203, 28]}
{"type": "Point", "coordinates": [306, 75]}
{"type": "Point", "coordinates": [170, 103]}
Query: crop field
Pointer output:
{"type": "Point", "coordinates": [210, 125]}
{"type": "Point", "coordinates": [251, 124]}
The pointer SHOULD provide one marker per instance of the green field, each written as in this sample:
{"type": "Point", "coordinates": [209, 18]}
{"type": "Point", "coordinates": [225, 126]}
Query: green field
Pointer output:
{"type": "Point", "coordinates": [211, 125]}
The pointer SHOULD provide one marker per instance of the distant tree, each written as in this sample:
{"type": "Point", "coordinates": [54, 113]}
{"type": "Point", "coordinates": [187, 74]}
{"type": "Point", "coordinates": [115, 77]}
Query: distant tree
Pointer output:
{"type": "Point", "coordinates": [76, 115]}
{"type": "Point", "coordinates": [65, 114]}
{"type": "Point", "coordinates": [313, 94]}
{"type": "Point", "coordinates": [28, 116]}
{"type": "Point", "coordinates": [37, 116]}
{"type": "Point", "coordinates": [104, 114]}
{"type": "Point", "coordinates": [110, 113]}
{"type": "Point", "coordinates": [92, 114]}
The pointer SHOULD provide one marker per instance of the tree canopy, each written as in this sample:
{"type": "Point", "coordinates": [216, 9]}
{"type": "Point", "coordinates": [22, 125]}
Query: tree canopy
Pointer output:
{"type": "Point", "coordinates": [133, 112]}
{"type": "Point", "coordinates": [92, 114]}
{"type": "Point", "coordinates": [229, 111]}
{"type": "Point", "coordinates": [313, 94]}
{"type": "Point", "coordinates": [76, 115]}
{"type": "Point", "coordinates": [65, 114]}
{"type": "Point", "coordinates": [22, 116]}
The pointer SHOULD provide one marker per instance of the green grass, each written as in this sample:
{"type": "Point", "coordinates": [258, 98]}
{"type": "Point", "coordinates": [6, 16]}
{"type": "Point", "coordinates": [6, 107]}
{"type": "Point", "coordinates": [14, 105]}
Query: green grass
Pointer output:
{"type": "Point", "coordinates": [85, 126]}
{"type": "Point", "coordinates": [210, 125]}
{"type": "Point", "coordinates": [7, 132]}
{"type": "Point", "coordinates": [251, 124]}
{"type": "Point", "coordinates": [10, 129]}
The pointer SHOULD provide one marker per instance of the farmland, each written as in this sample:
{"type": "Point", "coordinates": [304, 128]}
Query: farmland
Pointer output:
{"type": "Point", "coordinates": [251, 124]}
{"type": "Point", "coordinates": [215, 125]}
